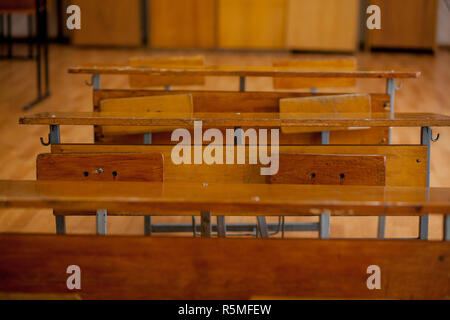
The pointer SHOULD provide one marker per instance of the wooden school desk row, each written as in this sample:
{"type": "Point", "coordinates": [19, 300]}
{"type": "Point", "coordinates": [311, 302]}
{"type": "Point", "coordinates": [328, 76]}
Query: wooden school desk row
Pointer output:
{"type": "Point", "coordinates": [334, 160]}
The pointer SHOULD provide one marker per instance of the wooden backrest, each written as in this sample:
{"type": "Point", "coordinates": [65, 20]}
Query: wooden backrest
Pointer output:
{"type": "Point", "coordinates": [139, 81]}
{"type": "Point", "coordinates": [180, 103]}
{"type": "Point", "coordinates": [344, 64]}
{"type": "Point", "coordinates": [341, 169]}
{"type": "Point", "coordinates": [405, 165]}
{"type": "Point", "coordinates": [101, 167]}
{"type": "Point", "coordinates": [217, 101]}
{"type": "Point", "coordinates": [356, 103]}
{"type": "Point", "coordinates": [303, 268]}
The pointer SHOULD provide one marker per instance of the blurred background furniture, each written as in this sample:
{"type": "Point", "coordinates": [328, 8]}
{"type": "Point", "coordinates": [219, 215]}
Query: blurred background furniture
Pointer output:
{"type": "Point", "coordinates": [38, 8]}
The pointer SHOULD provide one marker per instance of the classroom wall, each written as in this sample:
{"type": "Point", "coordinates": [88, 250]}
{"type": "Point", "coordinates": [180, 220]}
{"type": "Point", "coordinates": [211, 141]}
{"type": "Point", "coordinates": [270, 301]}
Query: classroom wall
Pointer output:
{"type": "Point", "coordinates": [443, 25]}
{"type": "Point", "coordinates": [207, 26]}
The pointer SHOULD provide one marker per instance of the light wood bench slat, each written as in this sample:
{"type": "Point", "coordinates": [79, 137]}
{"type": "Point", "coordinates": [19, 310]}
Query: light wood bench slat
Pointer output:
{"type": "Point", "coordinates": [231, 120]}
{"type": "Point", "coordinates": [298, 268]}
{"type": "Point", "coordinates": [232, 199]}
{"type": "Point", "coordinates": [242, 71]}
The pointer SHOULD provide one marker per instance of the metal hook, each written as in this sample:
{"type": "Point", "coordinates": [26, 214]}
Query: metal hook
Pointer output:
{"type": "Point", "coordinates": [399, 86]}
{"type": "Point", "coordinates": [435, 139]}
{"type": "Point", "coordinates": [45, 143]}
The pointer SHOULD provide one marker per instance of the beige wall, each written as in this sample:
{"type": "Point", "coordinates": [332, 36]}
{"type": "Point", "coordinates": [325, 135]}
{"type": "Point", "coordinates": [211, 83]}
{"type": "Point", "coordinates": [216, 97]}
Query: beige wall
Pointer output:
{"type": "Point", "coordinates": [443, 24]}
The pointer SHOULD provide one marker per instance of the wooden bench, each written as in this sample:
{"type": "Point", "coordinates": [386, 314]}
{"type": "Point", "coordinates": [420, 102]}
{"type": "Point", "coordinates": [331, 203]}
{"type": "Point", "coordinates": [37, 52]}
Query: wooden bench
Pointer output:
{"type": "Point", "coordinates": [349, 169]}
{"type": "Point", "coordinates": [298, 268]}
{"type": "Point", "coordinates": [256, 120]}
{"type": "Point", "coordinates": [405, 165]}
{"type": "Point", "coordinates": [254, 102]}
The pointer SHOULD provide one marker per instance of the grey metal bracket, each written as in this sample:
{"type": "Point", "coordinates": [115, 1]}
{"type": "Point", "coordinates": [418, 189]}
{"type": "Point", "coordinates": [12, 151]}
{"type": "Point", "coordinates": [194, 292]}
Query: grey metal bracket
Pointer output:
{"type": "Point", "coordinates": [95, 81]}
{"type": "Point", "coordinates": [101, 219]}
{"type": "Point", "coordinates": [324, 221]}
{"type": "Point", "coordinates": [325, 137]}
{"type": "Point", "coordinates": [54, 136]}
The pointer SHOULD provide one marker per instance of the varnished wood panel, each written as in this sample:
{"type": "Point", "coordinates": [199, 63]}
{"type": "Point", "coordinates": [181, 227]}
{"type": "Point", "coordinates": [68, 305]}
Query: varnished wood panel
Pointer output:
{"type": "Point", "coordinates": [114, 167]}
{"type": "Point", "coordinates": [164, 103]}
{"type": "Point", "coordinates": [108, 22]}
{"type": "Point", "coordinates": [228, 101]}
{"type": "Point", "coordinates": [251, 24]}
{"type": "Point", "coordinates": [244, 71]}
{"type": "Point", "coordinates": [213, 101]}
{"type": "Point", "coordinates": [329, 268]}
{"type": "Point", "coordinates": [343, 64]}
{"type": "Point", "coordinates": [405, 26]}
{"type": "Point", "coordinates": [188, 198]}
{"type": "Point", "coordinates": [182, 23]}
{"type": "Point", "coordinates": [405, 165]}
{"type": "Point", "coordinates": [140, 81]}
{"type": "Point", "coordinates": [339, 104]}
{"type": "Point", "coordinates": [322, 25]}
{"type": "Point", "coordinates": [231, 120]}
{"type": "Point", "coordinates": [365, 170]}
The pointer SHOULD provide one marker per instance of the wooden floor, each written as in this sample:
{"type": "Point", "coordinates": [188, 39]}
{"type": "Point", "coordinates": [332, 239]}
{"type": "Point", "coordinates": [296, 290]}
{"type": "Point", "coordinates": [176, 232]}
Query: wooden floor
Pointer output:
{"type": "Point", "coordinates": [19, 145]}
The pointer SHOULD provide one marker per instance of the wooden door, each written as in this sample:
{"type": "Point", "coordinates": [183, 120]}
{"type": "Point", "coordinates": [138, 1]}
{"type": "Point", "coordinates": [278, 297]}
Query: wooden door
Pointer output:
{"type": "Point", "coordinates": [405, 24]}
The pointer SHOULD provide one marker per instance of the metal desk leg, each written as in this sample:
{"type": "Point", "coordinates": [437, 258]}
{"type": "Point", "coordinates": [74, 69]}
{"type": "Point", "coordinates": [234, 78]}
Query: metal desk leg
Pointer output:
{"type": "Point", "coordinates": [206, 229]}
{"type": "Point", "coordinates": [262, 227]}
{"type": "Point", "coordinates": [148, 219]}
{"type": "Point", "coordinates": [390, 90]}
{"type": "Point", "coordinates": [426, 137]}
{"type": "Point", "coordinates": [324, 228]}
{"type": "Point", "coordinates": [221, 227]}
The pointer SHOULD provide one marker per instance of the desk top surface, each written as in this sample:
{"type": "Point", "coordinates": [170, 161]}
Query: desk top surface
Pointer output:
{"type": "Point", "coordinates": [239, 119]}
{"type": "Point", "coordinates": [242, 71]}
{"type": "Point", "coordinates": [181, 198]}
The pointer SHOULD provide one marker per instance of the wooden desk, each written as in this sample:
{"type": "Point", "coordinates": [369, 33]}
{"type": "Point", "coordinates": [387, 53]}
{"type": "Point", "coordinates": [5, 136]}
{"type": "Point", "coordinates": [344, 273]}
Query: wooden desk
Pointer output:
{"type": "Point", "coordinates": [232, 120]}
{"type": "Point", "coordinates": [248, 71]}
{"type": "Point", "coordinates": [240, 71]}
{"type": "Point", "coordinates": [135, 198]}
{"type": "Point", "coordinates": [170, 268]}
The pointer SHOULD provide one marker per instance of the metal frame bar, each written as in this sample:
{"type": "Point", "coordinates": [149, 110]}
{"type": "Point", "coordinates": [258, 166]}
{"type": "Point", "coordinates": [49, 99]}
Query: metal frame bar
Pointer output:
{"type": "Point", "coordinates": [447, 227]}
{"type": "Point", "coordinates": [426, 135]}
{"type": "Point", "coordinates": [390, 90]}
{"type": "Point", "coordinates": [96, 81]}
{"type": "Point", "coordinates": [206, 229]}
{"type": "Point", "coordinates": [325, 137]}
{"type": "Point", "coordinates": [242, 84]}
{"type": "Point", "coordinates": [262, 227]}
{"type": "Point", "coordinates": [233, 227]}
{"type": "Point", "coordinates": [148, 219]}
{"type": "Point", "coordinates": [324, 222]}
{"type": "Point", "coordinates": [221, 227]}
{"type": "Point", "coordinates": [101, 221]}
